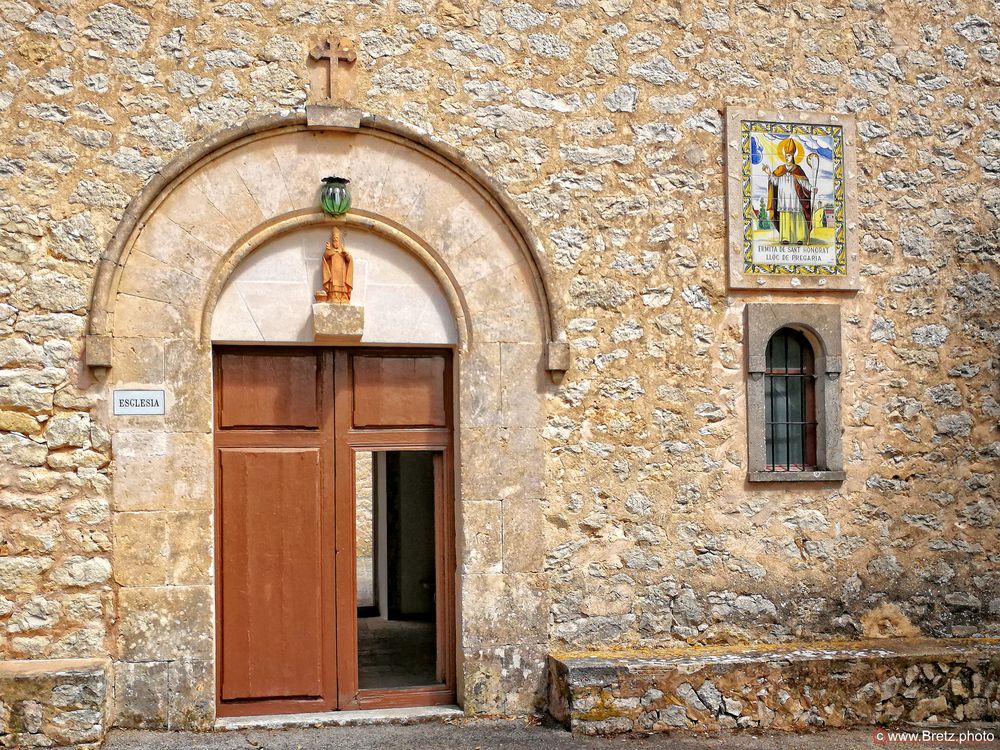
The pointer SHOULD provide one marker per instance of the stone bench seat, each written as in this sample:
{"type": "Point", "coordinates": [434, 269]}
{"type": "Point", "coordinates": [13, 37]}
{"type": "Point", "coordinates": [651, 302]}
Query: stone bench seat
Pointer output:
{"type": "Point", "coordinates": [784, 687]}
{"type": "Point", "coordinates": [54, 703]}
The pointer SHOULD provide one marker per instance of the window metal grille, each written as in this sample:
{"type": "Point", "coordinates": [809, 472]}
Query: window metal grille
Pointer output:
{"type": "Point", "coordinates": [790, 403]}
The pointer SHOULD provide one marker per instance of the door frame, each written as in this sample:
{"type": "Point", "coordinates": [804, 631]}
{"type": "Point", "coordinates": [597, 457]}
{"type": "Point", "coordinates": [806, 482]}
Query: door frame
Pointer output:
{"type": "Point", "coordinates": [340, 647]}
{"type": "Point", "coordinates": [438, 439]}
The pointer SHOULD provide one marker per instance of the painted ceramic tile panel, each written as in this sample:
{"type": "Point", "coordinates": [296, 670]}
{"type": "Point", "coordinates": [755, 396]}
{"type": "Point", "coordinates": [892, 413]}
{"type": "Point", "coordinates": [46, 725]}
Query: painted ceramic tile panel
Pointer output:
{"type": "Point", "coordinates": [793, 198]}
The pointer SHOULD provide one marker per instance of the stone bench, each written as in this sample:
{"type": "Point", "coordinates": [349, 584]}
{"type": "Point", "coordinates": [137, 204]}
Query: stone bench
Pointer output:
{"type": "Point", "coordinates": [788, 687]}
{"type": "Point", "coordinates": [54, 703]}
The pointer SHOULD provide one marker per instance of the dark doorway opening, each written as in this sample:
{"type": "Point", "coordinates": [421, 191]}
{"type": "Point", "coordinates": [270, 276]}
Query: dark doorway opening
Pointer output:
{"type": "Point", "coordinates": [396, 569]}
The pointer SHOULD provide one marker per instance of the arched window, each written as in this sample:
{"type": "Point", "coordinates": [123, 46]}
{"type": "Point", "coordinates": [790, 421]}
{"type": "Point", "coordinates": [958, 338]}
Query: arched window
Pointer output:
{"type": "Point", "coordinates": [793, 392]}
{"type": "Point", "coordinates": [790, 402]}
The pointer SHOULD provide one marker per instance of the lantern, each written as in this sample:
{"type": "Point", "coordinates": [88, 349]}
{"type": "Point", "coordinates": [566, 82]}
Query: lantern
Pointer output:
{"type": "Point", "coordinates": [335, 197]}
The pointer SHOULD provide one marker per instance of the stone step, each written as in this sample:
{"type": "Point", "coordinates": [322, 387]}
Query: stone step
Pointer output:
{"type": "Point", "coordinates": [790, 687]}
{"type": "Point", "coordinates": [54, 703]}
{"type": "Point", "coordinates": [368, 717]}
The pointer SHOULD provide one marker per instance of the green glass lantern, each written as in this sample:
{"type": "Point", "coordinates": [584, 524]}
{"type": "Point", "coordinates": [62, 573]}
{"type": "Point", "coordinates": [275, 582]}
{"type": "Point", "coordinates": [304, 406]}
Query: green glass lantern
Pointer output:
{"type": "Point", "coordinates": [335, 197]}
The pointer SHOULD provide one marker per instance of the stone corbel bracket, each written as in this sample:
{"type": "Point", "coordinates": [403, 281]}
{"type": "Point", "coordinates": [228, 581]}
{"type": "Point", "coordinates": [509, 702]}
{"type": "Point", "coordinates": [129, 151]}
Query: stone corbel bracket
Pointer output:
{"type": "Point", "coordinates": [338, 324]}
{"type": "Point", "coordinates": [557, 356]}
{"type": "Point", "coordinates": [97, 350]}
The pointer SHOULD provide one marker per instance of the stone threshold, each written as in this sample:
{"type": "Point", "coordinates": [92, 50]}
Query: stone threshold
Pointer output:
{"type": "Point", "coordinates": [368, 717]}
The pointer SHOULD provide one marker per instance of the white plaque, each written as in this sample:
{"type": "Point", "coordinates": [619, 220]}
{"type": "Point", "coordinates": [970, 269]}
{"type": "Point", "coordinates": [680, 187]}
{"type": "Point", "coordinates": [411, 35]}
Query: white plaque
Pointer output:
{"type": "Point", "coordinates": [139, 402]}
{"type": "Point", "coordinates": [765, 253]}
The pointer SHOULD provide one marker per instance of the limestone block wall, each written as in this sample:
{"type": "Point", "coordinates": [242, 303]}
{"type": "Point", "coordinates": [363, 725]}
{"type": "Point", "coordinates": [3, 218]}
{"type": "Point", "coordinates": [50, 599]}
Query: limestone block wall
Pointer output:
{"type": "Point", "coordinates": [603, 121]}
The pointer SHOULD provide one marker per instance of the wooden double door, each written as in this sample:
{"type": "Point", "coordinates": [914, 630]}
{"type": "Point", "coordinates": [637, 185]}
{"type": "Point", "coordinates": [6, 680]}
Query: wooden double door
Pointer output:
{"type": "Point", "coordinates": [292, 426]}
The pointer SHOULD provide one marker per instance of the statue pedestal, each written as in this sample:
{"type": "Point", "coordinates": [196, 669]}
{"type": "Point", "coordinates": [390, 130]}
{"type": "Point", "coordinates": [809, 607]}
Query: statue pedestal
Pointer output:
{"type": "Point", "coordinates": [338, 324]}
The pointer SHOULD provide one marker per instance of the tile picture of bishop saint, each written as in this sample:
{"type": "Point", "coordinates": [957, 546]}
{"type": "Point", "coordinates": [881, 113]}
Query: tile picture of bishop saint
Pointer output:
{"type": "Point", "coordinates": [794, 202]}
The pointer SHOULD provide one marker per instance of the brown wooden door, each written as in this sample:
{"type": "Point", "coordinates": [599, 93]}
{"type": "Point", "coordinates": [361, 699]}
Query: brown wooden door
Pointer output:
{"type": "Point", "coordinates": [276, 642]}
{"type": "Point", "coordinates": [287, 421]}
{"type": "Point", "coordinates": [272, 566]}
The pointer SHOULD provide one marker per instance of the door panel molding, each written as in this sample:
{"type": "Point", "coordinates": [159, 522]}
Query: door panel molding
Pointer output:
{"type": "Point", "coordinates": [271, 560]}
{"type": "Point", "coordinates": [269, 390]}
{"type": "Point", "coordinates": [298, 677]}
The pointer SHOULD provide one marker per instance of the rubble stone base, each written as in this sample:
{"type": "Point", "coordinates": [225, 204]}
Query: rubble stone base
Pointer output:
{"type": "Point", "coordinates": [54, 703]}
{"type": "Point", "coordinates": [789, 687]}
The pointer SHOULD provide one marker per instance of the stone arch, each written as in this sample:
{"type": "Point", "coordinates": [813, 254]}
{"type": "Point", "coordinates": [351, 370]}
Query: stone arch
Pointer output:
{"type": "Point", "coordinates": [820, 324]}
{"type": "Point", "coordinates": [144, 207]}
{"type": "Point", "coordinates": [294, 223]}
{"type": "Point", "coordinates": [156, 288]}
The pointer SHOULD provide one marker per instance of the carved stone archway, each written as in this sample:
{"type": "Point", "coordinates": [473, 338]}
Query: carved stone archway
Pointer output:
{"type": "Point", "coordinates": [157, 285]}
{"type": "Point", "coordinates": [144, 206]}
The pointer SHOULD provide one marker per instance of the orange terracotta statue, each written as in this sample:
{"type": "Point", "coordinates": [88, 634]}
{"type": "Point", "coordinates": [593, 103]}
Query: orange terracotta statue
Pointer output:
{"type": "Point", "coordinates": [338, 272]}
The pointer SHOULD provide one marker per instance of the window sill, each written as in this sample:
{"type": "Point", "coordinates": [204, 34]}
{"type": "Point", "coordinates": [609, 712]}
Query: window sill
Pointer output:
{"type": "Point", "coordinates": [796, 476]}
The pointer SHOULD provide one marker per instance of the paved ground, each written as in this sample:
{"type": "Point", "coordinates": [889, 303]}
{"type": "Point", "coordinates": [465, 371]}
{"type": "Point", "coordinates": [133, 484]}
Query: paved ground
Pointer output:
{"type": "Point", "coordinates": [508, 735]}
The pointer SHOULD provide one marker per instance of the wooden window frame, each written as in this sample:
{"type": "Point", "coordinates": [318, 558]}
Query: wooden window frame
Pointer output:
{"type": "Point", "coordinates": [805, 374]}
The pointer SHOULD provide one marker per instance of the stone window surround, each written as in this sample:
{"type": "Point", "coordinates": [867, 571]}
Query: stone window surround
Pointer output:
{"type": "Point", "coordinates": [820, 324]}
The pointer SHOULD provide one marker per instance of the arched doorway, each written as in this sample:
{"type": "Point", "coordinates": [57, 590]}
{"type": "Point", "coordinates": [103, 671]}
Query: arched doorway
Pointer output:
{"type": "Point", "coordinates": [334, 497]}
{"type": "Point", "coordinates": [157, 295]}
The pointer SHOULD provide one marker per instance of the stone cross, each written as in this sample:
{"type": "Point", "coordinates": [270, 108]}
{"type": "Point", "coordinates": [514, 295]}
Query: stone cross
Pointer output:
{"type": "Point", "coordinates": [335, 53]}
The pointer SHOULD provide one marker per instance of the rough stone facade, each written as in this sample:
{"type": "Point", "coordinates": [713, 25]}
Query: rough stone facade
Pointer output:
{"type": "Point", "coordinates": [603, 121]}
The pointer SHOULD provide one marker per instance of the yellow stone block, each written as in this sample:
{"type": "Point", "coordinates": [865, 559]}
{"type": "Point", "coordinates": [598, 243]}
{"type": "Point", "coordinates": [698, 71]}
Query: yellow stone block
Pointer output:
{"type": "Point", "coordinates": [15, 421]}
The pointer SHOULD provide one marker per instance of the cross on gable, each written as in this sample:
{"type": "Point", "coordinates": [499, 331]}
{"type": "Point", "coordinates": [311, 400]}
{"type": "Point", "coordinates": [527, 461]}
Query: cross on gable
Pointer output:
{"type": "Point", "coordinates": [335, 53]}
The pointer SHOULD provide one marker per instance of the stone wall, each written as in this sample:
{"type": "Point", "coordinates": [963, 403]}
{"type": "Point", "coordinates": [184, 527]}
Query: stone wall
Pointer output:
{"type": "Point", "coordinates": [364, 503]}
{"type": "Point", "coordinates": [364, 534]}
{"type": "Point", "coordinates": [54, 703]}
{"type": "Point", "coordinates": [603, 121]}
{"type": "Point", "coordinates": [828, 685]}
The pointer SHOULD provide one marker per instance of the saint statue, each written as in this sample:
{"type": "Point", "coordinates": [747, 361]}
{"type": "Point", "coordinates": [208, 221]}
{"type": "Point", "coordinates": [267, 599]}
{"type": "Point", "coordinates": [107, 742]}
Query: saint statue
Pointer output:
{"type": "Point", "coordinates": [789, 195]}
{"type": "Point", "coordinates": [338, 272]}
